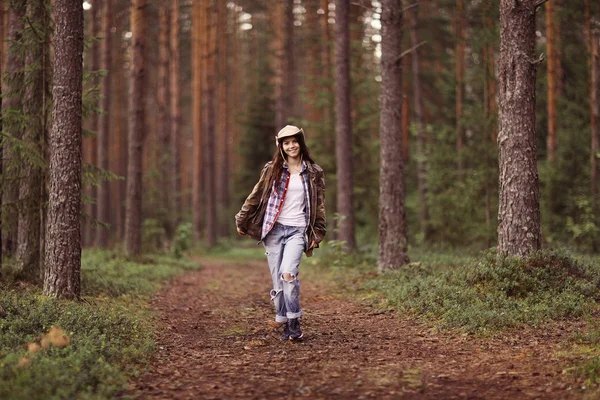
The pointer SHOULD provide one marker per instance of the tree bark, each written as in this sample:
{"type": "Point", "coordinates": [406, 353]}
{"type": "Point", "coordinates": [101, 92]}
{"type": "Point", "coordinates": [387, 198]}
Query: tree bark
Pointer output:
{"type": "Point", "coordinates": [460, 78]}
{"type": "Point", "coordinates": [289, 63]}
{"type": "Point", "coordinates": [12, 101]}
{"type": "Point", "coordinates": [552, 83]}
{"type": "Point", "coordinates": [223, 135]}
{"type": "Point", "coordinates": [210, 107]}
{"type": "Point", "coordinates": [164, 136]}
{"type": "Point", "coordinates": [420, 126]}
{"type": "Point", "coordinates": [595, 142]}
{"type": "Point", "coordinates": [519, 208]}
{"type": "Point", "coordinates": [104, 124]}
{"type": "Point", "coordinates": [393, 241]}
{"type": "Point", "coordinates": [91, 143]}
{"type": "Point", "coordinates": [133, 217]}
{"type": "Point", "coordinates": [343, 130]}
{"type": "Point", "coordinates": [63, 248]}
{"type": "Point", "coordinates": [32, 193]}
{"type": "Point", "coordinates": [198, 70]}
{"type": "Point", "coordinates": [277, 15]}
{"type": "Point", "coordinates": [175, 114]}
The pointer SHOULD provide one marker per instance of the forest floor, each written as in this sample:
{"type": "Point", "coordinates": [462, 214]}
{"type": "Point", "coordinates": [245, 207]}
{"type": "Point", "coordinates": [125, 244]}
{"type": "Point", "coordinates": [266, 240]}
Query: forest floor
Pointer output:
{"type": "Point", "coordinates": [217, 341]}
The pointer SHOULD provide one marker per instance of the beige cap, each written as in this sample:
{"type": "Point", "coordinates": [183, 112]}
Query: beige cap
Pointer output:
{"type": "Point", "coordinates": [288, 130]}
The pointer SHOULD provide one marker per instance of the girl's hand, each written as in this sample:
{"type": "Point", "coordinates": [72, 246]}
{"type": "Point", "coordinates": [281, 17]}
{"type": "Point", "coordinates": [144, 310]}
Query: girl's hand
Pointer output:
{"type": "Point", "coordinates": [241, 232]}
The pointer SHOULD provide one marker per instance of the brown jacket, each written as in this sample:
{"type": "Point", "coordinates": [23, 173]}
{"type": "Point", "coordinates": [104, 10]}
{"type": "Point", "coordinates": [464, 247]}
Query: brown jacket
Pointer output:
{"type": "Point", "coordinates": [250, 217]}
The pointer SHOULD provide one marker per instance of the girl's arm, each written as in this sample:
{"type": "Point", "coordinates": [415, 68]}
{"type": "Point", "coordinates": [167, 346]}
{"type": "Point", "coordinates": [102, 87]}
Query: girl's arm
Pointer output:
{"type": "Point", "coordinates": [252, 201]}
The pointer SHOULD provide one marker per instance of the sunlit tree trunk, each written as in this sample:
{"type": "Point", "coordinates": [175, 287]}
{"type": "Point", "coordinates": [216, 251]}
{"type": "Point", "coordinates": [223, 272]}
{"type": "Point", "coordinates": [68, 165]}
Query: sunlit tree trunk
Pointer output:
{"type": "Point", "coordinates": [210, 101]}
{"type": "Point", "coordinates": [314, 64]}
{"type": "Point", "coordinates": [420, 126]}
{"type": "Point", "coordinates": [290, 98]}
{"type": "Point", "coordinates": [164, 135]}
{"type": "Point", "coordinates": [343, 129]}
{"type": "Point", "coordinates": [277, 17]}
{"type": "Point", "coordinates": [104, 123]}
{"type": "Point", "coordinates": [595, 146]}
{"type": "Point", "coordinates": [12, 91]}
{"type": "Point", "coordinates": [393, 240]}
{"type": "Point", "coordinates": [199, 32]}
{"type": "Point", "coordinates": [519, 205]}
{"type": "Point", "coordinates": [133, 213]}
{"type": "Point", "coordinates": [552, 81]}
{"type": "Point", "coordinates": [175, 114]}
{"type": "Point", "coordinates": [63, 249]}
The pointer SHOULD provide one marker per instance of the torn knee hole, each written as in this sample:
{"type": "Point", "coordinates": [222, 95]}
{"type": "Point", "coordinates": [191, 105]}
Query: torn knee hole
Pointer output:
{"type": "Point", "coordinates": [288, 277]}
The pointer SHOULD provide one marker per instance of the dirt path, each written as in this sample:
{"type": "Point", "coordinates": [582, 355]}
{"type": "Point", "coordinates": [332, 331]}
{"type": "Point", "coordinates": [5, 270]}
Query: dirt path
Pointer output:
{"type": "Point", "coordinates": [218, 343]}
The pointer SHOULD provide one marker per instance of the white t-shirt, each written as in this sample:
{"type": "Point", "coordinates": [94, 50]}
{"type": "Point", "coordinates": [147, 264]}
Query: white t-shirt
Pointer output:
{"type": "Point", "coordinates": [292, 212]}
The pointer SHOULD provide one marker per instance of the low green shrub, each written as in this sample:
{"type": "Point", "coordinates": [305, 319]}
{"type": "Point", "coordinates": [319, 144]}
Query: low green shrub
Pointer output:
{"type": "Point", "coordinates": [109, 332]}
{"type": "Point", "coordinates": [487, 293]}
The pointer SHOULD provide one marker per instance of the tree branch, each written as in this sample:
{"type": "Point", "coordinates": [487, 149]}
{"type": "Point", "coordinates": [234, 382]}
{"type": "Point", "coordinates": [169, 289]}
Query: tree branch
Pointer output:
{"type": "Point", "coordinates": [407, 52]}
{"type": "Point", "coordinates": [539, 3]}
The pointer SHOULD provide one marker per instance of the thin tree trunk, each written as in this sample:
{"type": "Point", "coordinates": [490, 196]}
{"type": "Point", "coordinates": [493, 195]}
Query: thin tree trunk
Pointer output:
{"type": "Point", "coordinates": [164, 136]}
{"type": "Point", "coordinates": [133, 217]}
{"type": "Point", "coordinates": [91, 143]}
{"type": "Point", "coordinates": [210, 107]}
{"type": "Point", "coordinates": [12, 101]}
{"type": "Point", "coordinates": [393, 240]}
{"type": "Point", "coordinates": [343, 130]}
{"type": "Point", "coordinates": [2, 55]}
{"type": "Point", "coordinates": [552, 81]}
{"type": "Point", "coordinates": [406, 111]}
{"type": "Point", "coordinates": [223, 78]}
{"type": "Point", "coordinates": [595, 142]}
{"type": "Point", "coordinates": [198, 70]}
{"type": "Point", "coordinates": [104, 124]}
{"type": "Point", "coordinates": [519, 205]}
{"type": "Point", "coordinates": [175, 114]}
{"type": "Point", "coordinates": [277, 16]}
{"type": "Point", "coordinates": [460, 78]}
{"type": "Point", "coordinates": [314, 64]}
{"type": "Point", "coordinates": [420, 126]}
{"type": "Point", "coordinates": [289, 63]}
{"type": "Point", "coordinates": [119, 137]}
{"type": "Point", "coordinates": [31, 189]}
{"type": "Point", "coordinates": [63, 249]}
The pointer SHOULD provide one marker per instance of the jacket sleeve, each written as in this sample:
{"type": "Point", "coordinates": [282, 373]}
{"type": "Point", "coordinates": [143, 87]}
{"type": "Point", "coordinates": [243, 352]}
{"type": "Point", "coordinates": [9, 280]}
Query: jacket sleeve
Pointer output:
{"type": "Point", "coordinates": [320, 220]}
{"type": "Point", "coordinates": [252, 201]}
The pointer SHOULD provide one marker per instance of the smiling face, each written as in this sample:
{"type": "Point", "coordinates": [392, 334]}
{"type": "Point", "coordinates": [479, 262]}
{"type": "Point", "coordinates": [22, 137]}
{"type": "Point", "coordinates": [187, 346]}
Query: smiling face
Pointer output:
{"type": "Point", "coordinates": [291, 147]}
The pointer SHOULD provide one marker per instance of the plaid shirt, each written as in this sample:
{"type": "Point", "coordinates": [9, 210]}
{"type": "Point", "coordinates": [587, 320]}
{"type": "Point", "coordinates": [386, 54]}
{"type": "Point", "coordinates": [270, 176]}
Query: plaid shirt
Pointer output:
{"type": "Point", "coordinates": [277, 198]}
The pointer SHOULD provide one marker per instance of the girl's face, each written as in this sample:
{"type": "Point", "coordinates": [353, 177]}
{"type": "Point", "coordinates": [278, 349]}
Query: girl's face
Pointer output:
{"type": "Point", "coordinates": [291, 147]}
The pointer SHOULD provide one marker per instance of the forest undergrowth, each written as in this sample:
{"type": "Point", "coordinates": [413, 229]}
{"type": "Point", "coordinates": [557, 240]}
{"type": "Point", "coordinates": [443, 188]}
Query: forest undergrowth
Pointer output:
{"type": "Point", "coordinates": [63, 349]}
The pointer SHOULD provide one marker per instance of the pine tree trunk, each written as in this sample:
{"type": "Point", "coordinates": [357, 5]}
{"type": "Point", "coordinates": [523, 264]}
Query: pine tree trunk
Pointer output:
{"type": "Point", "coordinates": [393, 241]}
{"type": "Point", "coordinates": [223, 78]}
{"type": "Point", "coordinates": [406, 111]}
{"type": "Point", "coordinates": [31, 189]}
{"type": "Point", "coordinates": [290, 107]}
{"type": "Point", "coordinates": [343, 129]}
{"type": "Point", "coordinates": [2, 56]}
{"type": "Point", "coordinates": [198, 71]}
{"type": "Point", "coordinates": [595, 142]}
{"type": "Point", "coordinates": [420, 126]}
{"type": "Point", "coordinates": [164, 136]}
{"type": "Point", "coordinates": [460, 78]}
{"type": "Point", "coordinates": [210, 107]}
{"type": "Point", "coordinates": [314, 66]}
{"type": "Point", "coordinates": [12, 92]}
{"type": "Point", "coordinates": [277, 15]}
{"type": "Point", "coordinates": [133, 217]}
{"type": "Point", "coordinates": [63, 248]}
{"type": "Point", "coordinates": [175, 114]}
{"type": "Point", "coordinates": [519, 208]}
{"type": "Point", "coordinates": [552, 80]}
{"type": "Point", "coordinates": [104, 124]}
{"type": "Point", "coordinates": [91, 143]}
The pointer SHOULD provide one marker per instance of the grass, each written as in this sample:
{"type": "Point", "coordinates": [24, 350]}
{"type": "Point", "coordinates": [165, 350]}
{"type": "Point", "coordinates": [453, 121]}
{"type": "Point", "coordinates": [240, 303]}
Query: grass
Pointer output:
{"type": "Point", "coordinates": [476, 293]}
{"type": "Point", "coordinates": [109, 333]}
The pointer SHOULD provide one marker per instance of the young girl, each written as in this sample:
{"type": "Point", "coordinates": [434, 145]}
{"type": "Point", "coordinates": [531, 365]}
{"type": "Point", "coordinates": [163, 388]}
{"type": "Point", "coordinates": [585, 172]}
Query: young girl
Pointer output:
{"type": "Point", "coordinates": [286, 212]}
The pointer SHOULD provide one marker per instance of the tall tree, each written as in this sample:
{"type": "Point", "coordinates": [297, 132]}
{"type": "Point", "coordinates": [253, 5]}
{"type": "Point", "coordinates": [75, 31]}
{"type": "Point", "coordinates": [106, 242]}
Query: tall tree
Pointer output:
{"type": "Point", "coordinates": [551, 40]}
{"type": "Point", "coordinates": [277, 16]}
{"type": "Point", "coordinates": [91, 143]}
{"type": "Point", "coordinates": [175, 114]}
{"type": "Point", "coordinates": [419, 125]}
{"type": "Point", "coordinates": [519, 198]}
{"type": "Point", "coordinates": [343, 126]}
{"type": "Point", "coordinates": [198, 43]}
{"type": "Point", "coordinates": [209, 110]}
{"type": "Point", "coordinates": [63, 249]}
{"type": "Point", "coordinates": [133, 216]}
{"type": "Point", "coordinates": [12, 106]}
{"type": "Point", "coordinates": [460, 79]}
{"type": "Point", "coordinates": [162, 99]}
{"type": "Point", "coordinates": [592, 39]}
{"type": "Point", "coordinates": [393, 241]}
{"type": "Point", "coordinates": [290, 62]}
{"type": "Point", "coordinates": [32, 189]}
{"type": "Point", "coordinates": [104, 123]}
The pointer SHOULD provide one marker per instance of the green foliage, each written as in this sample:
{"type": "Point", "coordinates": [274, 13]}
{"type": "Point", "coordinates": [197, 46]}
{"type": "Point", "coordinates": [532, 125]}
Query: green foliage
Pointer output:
{"type": "Point", "coordinates": [154, 236]}
{"type": "Point", "coordinates": [182, 240]}
{"type": "Point", "coordinates": [110, 331]}
{"type": "Point", "coordinates": [484, 294]}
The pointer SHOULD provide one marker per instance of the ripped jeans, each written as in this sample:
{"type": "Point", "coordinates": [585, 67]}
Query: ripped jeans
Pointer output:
{"type": "Point", "coordinates": [284, 246]}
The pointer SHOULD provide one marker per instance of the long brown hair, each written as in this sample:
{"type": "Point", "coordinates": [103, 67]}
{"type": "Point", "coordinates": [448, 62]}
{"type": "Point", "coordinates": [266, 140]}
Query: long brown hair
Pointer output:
{"type": "Point", "coordinates": [280, 156]}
